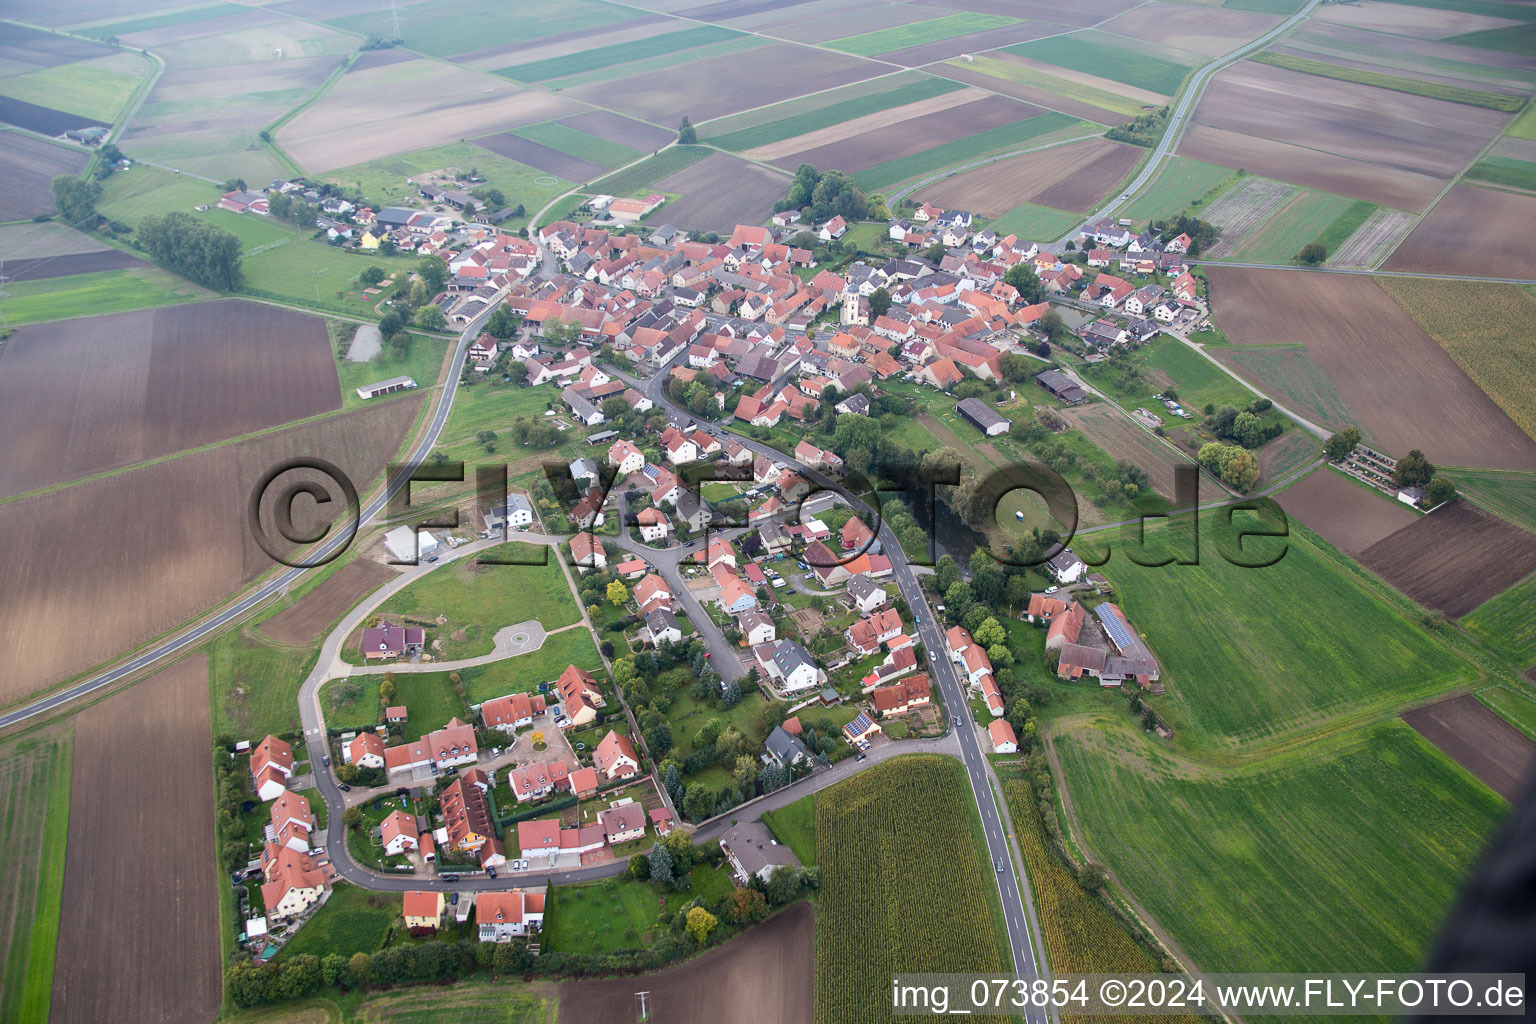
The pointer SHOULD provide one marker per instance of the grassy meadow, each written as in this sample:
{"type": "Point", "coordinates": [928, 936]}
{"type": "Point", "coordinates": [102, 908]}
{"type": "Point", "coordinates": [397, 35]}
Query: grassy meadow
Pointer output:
{"type": "Point", "coordinates": [1093, 56]}
{"type": "Point", "coordinates": [34, 804]}
{"type": "Point", "coordinates": [105, 291]}
{"type": "Point", "coordinates": [803, 121]}
{"type": "Point", "coordinates": [868, 44]}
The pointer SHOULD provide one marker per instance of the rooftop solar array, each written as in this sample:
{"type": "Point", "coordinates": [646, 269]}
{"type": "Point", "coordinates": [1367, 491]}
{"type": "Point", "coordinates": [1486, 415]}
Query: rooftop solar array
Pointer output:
{"type": "Point", "coordinates": [1115, 626]}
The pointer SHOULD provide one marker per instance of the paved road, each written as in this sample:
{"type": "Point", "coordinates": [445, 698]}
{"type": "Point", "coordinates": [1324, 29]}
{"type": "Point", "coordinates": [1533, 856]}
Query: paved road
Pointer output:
{"type": "Point", "coordinates": [723, 655]}
{"type": "Point", "coordinates": [274, 587]}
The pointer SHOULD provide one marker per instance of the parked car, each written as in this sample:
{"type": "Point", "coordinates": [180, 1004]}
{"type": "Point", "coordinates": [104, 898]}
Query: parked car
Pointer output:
{"type": "Point", "coordinates": [491, 872]}
{"type": "Point", "coordinates": [1052, 589]}
{"type": "Point", "coordinates": [344, 787]}
{"type": "Point", "coordinates": [450, 878]}
{"type": "Point", "coordinates": [326, 759]}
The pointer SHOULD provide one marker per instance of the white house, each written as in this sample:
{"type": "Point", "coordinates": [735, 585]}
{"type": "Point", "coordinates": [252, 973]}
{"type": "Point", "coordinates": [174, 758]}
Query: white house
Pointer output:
{"type": "Point", "coordinates": [626, 457]}
{"type": "Point", "coordinates": [1003, 739]}
{"type": "Point", "coordinates": [398, 833]}
{"type": "Point", "coordinates": [757, 628]}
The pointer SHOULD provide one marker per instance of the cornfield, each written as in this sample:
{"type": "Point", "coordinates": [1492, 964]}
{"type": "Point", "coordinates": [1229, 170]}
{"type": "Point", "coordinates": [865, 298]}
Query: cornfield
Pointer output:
{"type": "Point", "coordinates": [906, 886]}
{"type": "Point", "coordinates": [1080, 935]}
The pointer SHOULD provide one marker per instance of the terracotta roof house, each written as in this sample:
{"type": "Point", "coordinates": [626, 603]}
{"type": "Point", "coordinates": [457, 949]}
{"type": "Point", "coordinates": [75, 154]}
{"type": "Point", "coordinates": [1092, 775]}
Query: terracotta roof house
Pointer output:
{"type": "Point", "coordinates": [615, 756]}
{"type": "Point", "coordinates": [902, 696]}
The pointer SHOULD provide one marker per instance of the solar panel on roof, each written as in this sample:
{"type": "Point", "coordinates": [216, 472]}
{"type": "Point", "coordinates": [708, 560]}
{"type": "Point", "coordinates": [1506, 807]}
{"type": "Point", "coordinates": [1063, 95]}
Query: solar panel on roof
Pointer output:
{"type": "Point", "coordinates": [1115, 627]}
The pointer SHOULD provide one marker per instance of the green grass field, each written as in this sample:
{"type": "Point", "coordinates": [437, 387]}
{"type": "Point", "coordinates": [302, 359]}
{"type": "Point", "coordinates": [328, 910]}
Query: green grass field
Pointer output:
{"type": "Point", "coordinates": [1524, 126]}
{"type": "Point", "coordinates": [834, 113]}
{"type": "Point", "coordinates": [1487, 8]}
{"type": "Point", "coordinates": [1112, 101]}
{"type": "Point", "coordinates": [1251, 655]}
{"type": "Point", "coordinates": [34, 805]}
{"type": "Point", "coordinates": [254, 685]}
{"type": "Point", "coordinates": [106, 291]}
{"type": "Point", "coordinates": [1308, 390]}
{"type": "Point", "coordinates": [1282, 7]}
{"type": "Point", "coordinates": [423, 363]}
{"type": "Point", "coordinates": [1513, 494]}
{"type": "Point", "coordinates": [1299, 222]}
{"type": "Point", "coordinates": [383, 180]}
{"type": "Point", "coordinates": [794, 825]}
{"type": "Point", "coordinates": [664, 62]}
{"type": "Point", "coordinates": [1515, 706]}
{"type": "Point", "coordinates": [128, 26]}
{"type": "Point", "coordinates": [483, 1003]}
{"type": "Point", "coordinates": [668, 43]}
{"type": "Point", "coordinates": [608, 916]}
{"type": "Point", "coordinates": [441, 28]}
{"type": "Point", "coordinates": [484, 406]}
{"type": "Point", "coordinates": [526, 671]}
{"type": "Point", "coordinates": [653, 169]}
{"type": "Point", "coordinates": [353, 920]}
{"type": "Point", "coordinates": [1197, 380]}
{"type": "Point", "coordinates": [78, 88]}
{"type": "Point", "coordinates": [884, 40]}
{"type": "Point", "coordinates": [431, 699]}
{"type": "Point", "coordinates": [1095, 57]}
{"type": "Point", "coordinates": [351, 703]}
{"type": "Point", "coordinates": [579, 144]}
{"type": "Point", "coordinates": [927, 161]}
{"type": "Point", "coordinates": [1345, 224]}
{"type": "Point", "coordinates": [1397, 83]}
{"type": "Point", "coordinates": [1346, 852]}
{"type": "Point", "coordinates": [480, 599]}
{"type": "Point", "coordinates": [1521, 39]}
{"type": "Point", "coordinates": [139, 192]}
{"type": "Point", "coordinates": [1180, 183]}
{"type": "Point", "coordinates": [1503, 170]}
{"type": "Point", "coordinates": [321, 276]}
{"type": "Point", "coordinates": [1036, 223]}
{"type": "Point", "coordinates": [1506, 624]}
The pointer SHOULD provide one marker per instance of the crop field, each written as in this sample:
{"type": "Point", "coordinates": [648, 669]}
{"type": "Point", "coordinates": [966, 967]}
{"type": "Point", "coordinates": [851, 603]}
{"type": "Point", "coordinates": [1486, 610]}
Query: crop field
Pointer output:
{"type": "Point", "coordinates": [620, 130]}
{"type": "Point", "coordinates": [880, 131]}
{"type": "Point", "coordinates": [139, 286]}
{"type": "Point", "coordinates": [28, 166]}
{"type": "Point", "coordinates": [107, 892]}
{"type": "Point", "coordinates": [34, 803]}
{"type": "Point", "coordinates": [1373, 240]}
{"type": "Point", "coordinates": [1344, 227]}
{"type": "Point", "coordinates": [1454, 559]}
{"type": "Point", "coordinates": [1524, 126]}
{"type": "Point", "coordinates": [1290, 453]}
{"type": "Point", "coordinates": [1114, 432]}
{"type": "Point", "coordinates": [1070, 177]}
{"type": "Point", "coordinates": [1299, 222]}
{"type": "Point", "coordinates": [25, 47]}
{"type": "Point", "coordinates": [670, 43]}
{"type": "Point", "coordinates": [899, 37]}
{"type": "Point", "coordinates": [1401, 154]}
{"type": "Point", "coordinates": [1097, 100]}
{"type": "Point", "coordinates": [1346, 514]}
{"type": "Point", "coordinates": [42, 268]}
{"type": "Point", "coordinates": [1094, 55]}
{"type": "Point", "coordinates": [101, 552]}
{"type": "Point", "coordinates": [1180, 183]}
{"type": "Point", "coordinates": [1242, 210]}
{"type": "Point", "coordinates": [1288, 371]}
{"type": "Point", "coordinates": [1348, 852]}
{"type": "Point", "coordinates": [1503, 170]}
{"type": "Point", "coordinates": [886, 892]}
{"type": "Point", "coordinates": [1512, 494]}
{"type": "Point", "coordinates": [369, 114]}
{"type": "Point", "coordinates": [727, 84]}
{"type": "Point", "coordinates": [132, 26]}
{"type": "Point", "coordinates": [738, 134]}
{"type": "Point", "coordinates": [1506, 624]}
{"type": "Point", "coordinates": [1397, 83]}
{"type": "Point", "coordinates": [479, 599]}
{"type": "Point", "coordinates": [155, 382]}
{"type": "Point", "coordinates": [574, 142]}
{"type": "Point", "coordinates": [760, 974]}
{"type": "Point", "coordinates": [250, 38]}
{"type": "Point", "coordinates": [1037, 223]}
{"type": "Point", "coordinates": [1515, 706]}
{"type": "Point", "coordinates": [1484, 327]}
{"type": "Point", "coordinates": [1212, 31]}
{"type": "Point", "coordinates": [1471, 231]}
{"type": "Point", "coordinates": [1480, 741]}
{"type": "Point", "coordinates": [89, 89]}
{"type": "Point", "coordinates": [444, 28]}
{"type": "Point", "coordinates": [306, 620]}
{"type": "Point", "coordinates": [646, 173]}
{"type": "Point", "coordinates": [1384, 366]}
{"type": "Point", "coordinates": [721, 191]}
{"type": "Point", "coordinates": [1295, 670]}
{"type": "Point", "coordinates": [540, 157]}
{"type": "Point", "coordinates": [1421, 20]}
{"type": "Point", "coordinates": [983, 142]}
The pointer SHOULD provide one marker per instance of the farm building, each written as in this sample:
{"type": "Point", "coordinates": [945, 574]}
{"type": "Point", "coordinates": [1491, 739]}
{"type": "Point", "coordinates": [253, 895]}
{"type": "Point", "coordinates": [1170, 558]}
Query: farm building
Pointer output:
{"type": "Point", "coordinates": [384, 387]}
{"type": "Point", "coordinates": [407, 548]}
{"type": "Point", "coordinates": [1061, 386]}
{"type": "Point", "coordinates": [983, 417]}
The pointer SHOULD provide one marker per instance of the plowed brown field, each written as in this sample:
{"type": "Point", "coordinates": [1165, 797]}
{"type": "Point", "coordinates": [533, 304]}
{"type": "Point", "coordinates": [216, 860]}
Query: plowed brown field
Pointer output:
{"type": "Point", "coordinates": [1479, 231]}
{"type": "Point", "coordinates": [1071, 177]}
{"type": "Point", "coordinates": [1454, 559]}
{"type": "Point", "coordinates": [307, 618]}
{"type": "Point", "coordinates": [1344, 513]}
{"type": "Point", "coordinates": [1480, 741]}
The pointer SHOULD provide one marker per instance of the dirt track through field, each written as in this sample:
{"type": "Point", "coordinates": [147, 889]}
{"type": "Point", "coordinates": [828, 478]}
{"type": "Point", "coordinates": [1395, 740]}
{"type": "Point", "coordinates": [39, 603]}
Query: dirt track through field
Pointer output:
{"type": "Point", "coordinates": [1454, 559]}
{"type": "Point", "coordinates": [1480, 741]}
{"type": "Point", "coordinates": [869, 122]}
{"type": "Point", "coordinates": [1392, 375]}
{"type": "Point", "coordinates": [139, 928]}
{"type": "Point", "coordinates": [763, 976]}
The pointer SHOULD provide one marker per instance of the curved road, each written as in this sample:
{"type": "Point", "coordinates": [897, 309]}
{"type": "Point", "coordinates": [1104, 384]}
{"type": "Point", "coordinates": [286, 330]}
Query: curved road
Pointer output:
{"type": "Point", "coordinates": [277, 585]}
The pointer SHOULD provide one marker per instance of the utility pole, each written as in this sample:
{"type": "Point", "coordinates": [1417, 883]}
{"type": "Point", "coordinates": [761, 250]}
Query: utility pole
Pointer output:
{"type": "Point", "coordinates": [643, 1015]}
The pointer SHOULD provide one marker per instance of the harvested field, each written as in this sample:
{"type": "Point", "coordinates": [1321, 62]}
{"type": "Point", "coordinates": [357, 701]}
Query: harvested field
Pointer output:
{"type": "Point", "coordinates": [855, 126]}
{"type": "Point", "coordinates": [1346, 514]}
{"type": "Point", "coordinates": [727, 84]}
{"type": "Point", "coordinates": [1208, 30]}
{"type": "Point", "coordinates": [304, 621]}
{"type": "Point", "coordinates": [540, 157]}
{"type": "Point", "coordinates": [45, 267]}
{"type": "Point", "coordinates": [421, 103]}
{"type": "Point", "coordinates": [40, 119]}
{"type": "Point", "coordinates": [44, 49]}
{"type": "Point", "coordinates": [971, 42]}
{"type": "Point", "coordinates": [562, 44]}
{"type": "Point", "coordinates": [1088, 12]}
{"type": "Point", "coordinates": [1480, 741]}
{"type": "Point", "coordinates": [1408, 20]}
{"type": "Point", "coordinates": [623, 130]}
{"type": "Point", "coordinates": [1241, 211]}
{"type": "Point", "coordinates": [1070, 177]}
{"type": "Point", "coordinates": [721, 191]}
{"type": "Point", "coordinates": [1454, 559]}
{"type": "Point", "coordinates": [1373, 239]}
{"type": "Point", "coordinates": [921, 133]}
{"type": "Point", "coordinates": [19, 242]}
{"type": "Point", "coordinates": [1111, 430]}
{"type": "Point", "coordinates": [28, 166]}
{"type": "Point", "coordinates": [762, 974]}
{"type": "Point", "coordinates": [1337, 136]}
{"type": "Point", "coordinates": [136, 553]}
{"type": "Point", "coordinates": [1078, 77]}
{"type": "Point", "coordinates": [1472, 231]}
{"type": "Point", "coordinates": [819, 22]}
{"type": "Point", "coordinates": [172, 910]}
{"type": "Point", "coordinates": [1392, 375]}
{"type": "Point", "coordinates": [153, 382]}
{"type": "Point", "coordinates": [1022, 88]}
